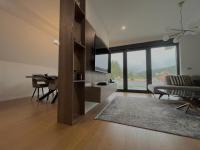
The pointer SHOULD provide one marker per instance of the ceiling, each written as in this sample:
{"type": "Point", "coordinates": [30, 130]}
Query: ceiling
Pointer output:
{"type": "Point", "coordinates": [42, 14]}
{"type": "Point", "coordinates": [28, 28]}
{"type": "Point", "coordinates": [145, 19]}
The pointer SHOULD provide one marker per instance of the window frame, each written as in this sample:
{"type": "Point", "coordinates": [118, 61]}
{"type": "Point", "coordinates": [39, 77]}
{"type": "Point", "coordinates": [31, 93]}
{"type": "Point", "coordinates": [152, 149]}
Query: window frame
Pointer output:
{"type": "Point", "coordinates": [143, 46]}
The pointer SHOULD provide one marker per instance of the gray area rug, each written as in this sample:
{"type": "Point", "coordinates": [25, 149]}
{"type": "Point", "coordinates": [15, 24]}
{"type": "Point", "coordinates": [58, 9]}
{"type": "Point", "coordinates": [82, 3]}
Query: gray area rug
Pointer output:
{"type": "Point", "coordinates": [148, 113]}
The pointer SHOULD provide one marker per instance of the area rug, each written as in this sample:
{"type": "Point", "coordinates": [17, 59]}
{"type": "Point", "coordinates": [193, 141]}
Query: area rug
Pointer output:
{"type": "Point", "coordinates": [148, 113]}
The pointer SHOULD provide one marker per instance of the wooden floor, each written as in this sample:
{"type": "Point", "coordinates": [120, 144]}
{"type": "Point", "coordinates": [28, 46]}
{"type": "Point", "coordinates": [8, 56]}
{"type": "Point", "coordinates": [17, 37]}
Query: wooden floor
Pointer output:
{"type": "Point", "coordinates": [24, 125]}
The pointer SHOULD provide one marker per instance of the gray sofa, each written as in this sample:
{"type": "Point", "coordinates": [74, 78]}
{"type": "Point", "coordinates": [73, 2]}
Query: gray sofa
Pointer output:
{"type": "Point", "coordinates": [179, 82]}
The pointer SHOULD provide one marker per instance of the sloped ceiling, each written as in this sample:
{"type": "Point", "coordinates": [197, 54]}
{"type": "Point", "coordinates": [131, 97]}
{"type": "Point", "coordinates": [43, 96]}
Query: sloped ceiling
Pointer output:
{"type": "Point", "coordinates": [28, 28]}
{"type": "Point", "coordinates": [43, 14]}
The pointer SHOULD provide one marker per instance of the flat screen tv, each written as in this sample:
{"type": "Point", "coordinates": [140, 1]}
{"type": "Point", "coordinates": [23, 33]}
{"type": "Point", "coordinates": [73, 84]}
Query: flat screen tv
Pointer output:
{"type": "Point", "coordinates": [101, 56]}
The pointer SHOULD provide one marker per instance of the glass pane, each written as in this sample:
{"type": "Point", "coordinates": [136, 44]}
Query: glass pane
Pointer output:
{"type": "Point", "coordinates": [163, 63]}
{"type": "Point", "coordinates": [136, 61]}
{"type": "Point", "coordinates": [117, 69]}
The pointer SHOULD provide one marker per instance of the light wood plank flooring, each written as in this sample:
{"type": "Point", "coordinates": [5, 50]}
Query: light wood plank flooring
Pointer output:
{"type": "Point", "coordinates": [25, 125]}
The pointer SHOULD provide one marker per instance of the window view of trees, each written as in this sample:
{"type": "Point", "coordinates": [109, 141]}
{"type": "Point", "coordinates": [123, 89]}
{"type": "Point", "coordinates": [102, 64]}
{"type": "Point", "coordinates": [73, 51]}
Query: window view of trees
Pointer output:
{"type": "Point", "coordinates": [117, 69]}
{"type": "Point", "coordinates": [136, 61]}
{"type": "Point", "coordinates": [163, 62]}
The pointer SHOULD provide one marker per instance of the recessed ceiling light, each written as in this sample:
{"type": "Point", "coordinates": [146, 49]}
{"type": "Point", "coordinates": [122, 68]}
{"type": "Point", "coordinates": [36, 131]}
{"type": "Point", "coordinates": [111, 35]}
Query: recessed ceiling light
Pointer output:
{"type": "Point", "coordinates": [123, 27]}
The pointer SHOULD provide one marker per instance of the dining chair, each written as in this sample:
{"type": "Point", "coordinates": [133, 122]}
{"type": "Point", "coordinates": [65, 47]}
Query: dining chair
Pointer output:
{"type": "Point", "coordinates": [39, 82]}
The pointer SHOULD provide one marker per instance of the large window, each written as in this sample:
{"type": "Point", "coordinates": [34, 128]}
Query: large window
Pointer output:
{"type": "Point", "coordinates": [117, 69]}
{"type": "Point", "coordinates": [136, 63]}
{"type": "Point", "coordinates": [163, 61]}
{"type": "Point", "coordinates": [134, 69]}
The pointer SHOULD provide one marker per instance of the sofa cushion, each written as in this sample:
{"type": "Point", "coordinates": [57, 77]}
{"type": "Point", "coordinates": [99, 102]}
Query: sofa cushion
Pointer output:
{"type": "Point", "coordinates": [175, 80]}
{"type": "Point", "coordinates": [187, 80]}
{"type": "Point", "coordinates": [168, 80]}
{"type": "Point", "coordinates": [179, 80]}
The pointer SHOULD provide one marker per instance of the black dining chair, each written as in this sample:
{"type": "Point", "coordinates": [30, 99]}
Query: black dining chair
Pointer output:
{"type": "Point", "coordinates": [39, 82]}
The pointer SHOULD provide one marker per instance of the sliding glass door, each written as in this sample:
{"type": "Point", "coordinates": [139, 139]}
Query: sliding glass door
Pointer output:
{"type": "Point", "coordinates": [163, 63]}
{"type": "Point", "coordinates": [117, 66]}
{"type": "Point", "coordinates": [136, 70]}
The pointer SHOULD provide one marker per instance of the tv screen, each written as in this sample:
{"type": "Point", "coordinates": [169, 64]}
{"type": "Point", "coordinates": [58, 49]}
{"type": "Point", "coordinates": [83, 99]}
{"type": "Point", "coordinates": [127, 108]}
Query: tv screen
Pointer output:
{"type": "Point", "coordinates": [101, 56]}
{"type": "Point", "coordinates": [101, 63]}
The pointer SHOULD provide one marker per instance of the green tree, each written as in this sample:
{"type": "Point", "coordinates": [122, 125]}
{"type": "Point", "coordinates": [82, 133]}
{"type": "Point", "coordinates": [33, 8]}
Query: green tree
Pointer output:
{"type": "Point", "coordinates": [116, 71]}
{"type": "Point", "coordinates": [131, 76]}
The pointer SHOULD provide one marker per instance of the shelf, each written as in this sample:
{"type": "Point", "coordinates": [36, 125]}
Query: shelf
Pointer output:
{"type": "Point", "coordinates": [79, 13]}
{"type": "Point", "coordinates": [79, 81]}
{"type": "Point", "coordinates": [79, 45]}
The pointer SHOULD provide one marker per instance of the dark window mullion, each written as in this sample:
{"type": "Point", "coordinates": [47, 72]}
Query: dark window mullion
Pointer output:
{"type": "Point", "coordinates": [125, 71]}
{"type": "Point", "coordinates": [149, 67]}
{"type": "Point", "coordinates": [178, 59]}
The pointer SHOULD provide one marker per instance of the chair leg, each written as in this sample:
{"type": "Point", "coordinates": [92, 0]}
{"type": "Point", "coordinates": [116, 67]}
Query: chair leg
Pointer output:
{"type": "Point", "coordinates": [153, 95]}
{"type": "Point", "coordinates": [161, 95]}
{"type": "Point", "coordinates": [55, 97]}
{"type": "Point", "coordinates": [43, 91]}
{"type": "Point", "coordinates": [38, 94]}
{"type": "Point", "coordinates": [33, 93]}
{"type": "Point", "coordinates": [184, 105]}
{"type": "Point", "coordinates": [188, 107]}
{"type": "Point", "coordinates": [48, 95]}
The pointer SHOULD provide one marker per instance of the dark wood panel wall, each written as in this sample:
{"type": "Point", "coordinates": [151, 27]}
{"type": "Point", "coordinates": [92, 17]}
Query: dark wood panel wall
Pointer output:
{"type": "Point", "coordinates": [89, 43]}
{"type": "Point", "coordinates": [65, 64]}
{"type": "Point", "coordinates": [91, 75]}
{"type": "Point", "coordinates": [71, 100]}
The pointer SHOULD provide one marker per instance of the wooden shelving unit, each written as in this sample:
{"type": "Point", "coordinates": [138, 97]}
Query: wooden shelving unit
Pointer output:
{"type": "Point", "coordinates": [79, 81]}
{"type": "Point", "coordinates": [79, 45]}
{"type": "Point", "coordinates": [79, 13]}
{"type": "Point", "coordinates": [71, 104]}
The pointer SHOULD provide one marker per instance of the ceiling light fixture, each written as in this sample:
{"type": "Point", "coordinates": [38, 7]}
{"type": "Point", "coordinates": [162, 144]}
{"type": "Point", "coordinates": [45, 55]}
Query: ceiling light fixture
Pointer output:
{"type": "Point", "coordinates": [123, 27]}
{"type": "Point", "coordinates": [178, 34]}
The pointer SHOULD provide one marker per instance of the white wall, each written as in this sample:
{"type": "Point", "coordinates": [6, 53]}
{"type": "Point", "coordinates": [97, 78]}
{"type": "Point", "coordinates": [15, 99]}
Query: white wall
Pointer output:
{"type": "Point", "coordinates": [26, 45]}
{"type": "Point", "coordinates": [13, 81]}
{"type": "Point", "coordinates": [21, 41]}
{"type": "Point", "coordinates": [96, 22]}
{"type": "Point", "coordinates": [190, 55]}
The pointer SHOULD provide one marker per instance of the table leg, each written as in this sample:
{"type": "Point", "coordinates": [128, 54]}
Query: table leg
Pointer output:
{"type": "Point", "coordinates": [184, 105]}
{"type": "Point", "coordinates": [54, 99]}
{"type": "Point", "coordinates": [46, 95]}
